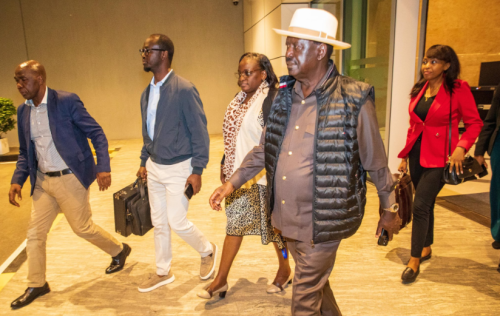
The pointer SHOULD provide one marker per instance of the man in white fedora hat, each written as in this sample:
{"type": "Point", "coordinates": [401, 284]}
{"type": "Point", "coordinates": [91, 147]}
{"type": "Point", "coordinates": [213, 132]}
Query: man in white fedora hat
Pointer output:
{"type": "Point", "coordinates": [320, 139]}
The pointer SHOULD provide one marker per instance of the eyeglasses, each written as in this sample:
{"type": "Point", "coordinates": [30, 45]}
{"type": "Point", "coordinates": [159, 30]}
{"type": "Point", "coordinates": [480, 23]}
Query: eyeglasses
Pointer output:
{"type": "Point", "coordinates": [147, 51]}
{"type": "Point", "coordinates": [245, 73]}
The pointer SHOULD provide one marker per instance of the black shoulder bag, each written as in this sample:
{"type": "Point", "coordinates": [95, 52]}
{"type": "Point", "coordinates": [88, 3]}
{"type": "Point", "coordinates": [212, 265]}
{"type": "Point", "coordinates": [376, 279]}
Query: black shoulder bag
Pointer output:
{"type": "Point", "coordinates": [470, 166]}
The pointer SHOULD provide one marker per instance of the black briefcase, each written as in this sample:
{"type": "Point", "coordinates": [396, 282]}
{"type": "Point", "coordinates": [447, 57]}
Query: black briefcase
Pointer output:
{"type": "Point", "coordinates": [121, 199]}
{"type": "Point", "coordinates": [132, 211]}
{"type": "Point", "coordinates": [140, 211]}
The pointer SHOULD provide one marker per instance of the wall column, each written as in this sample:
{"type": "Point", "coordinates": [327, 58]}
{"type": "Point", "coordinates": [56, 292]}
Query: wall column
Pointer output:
{"type": "Point", "coordinates": [404, 39]}
{"type": "Point", "coordinates": [259, 19]}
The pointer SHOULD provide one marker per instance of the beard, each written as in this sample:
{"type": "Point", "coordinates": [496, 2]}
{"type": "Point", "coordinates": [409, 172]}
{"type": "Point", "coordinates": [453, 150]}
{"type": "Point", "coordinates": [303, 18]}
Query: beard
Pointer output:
{"type": "Point", "coordinates": [147, 68]}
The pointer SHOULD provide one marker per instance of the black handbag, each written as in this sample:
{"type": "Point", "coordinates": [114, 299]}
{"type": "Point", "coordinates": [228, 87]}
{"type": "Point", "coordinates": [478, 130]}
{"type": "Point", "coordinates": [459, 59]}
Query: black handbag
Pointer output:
{"type": "Point", "coordinates": [470, 167]}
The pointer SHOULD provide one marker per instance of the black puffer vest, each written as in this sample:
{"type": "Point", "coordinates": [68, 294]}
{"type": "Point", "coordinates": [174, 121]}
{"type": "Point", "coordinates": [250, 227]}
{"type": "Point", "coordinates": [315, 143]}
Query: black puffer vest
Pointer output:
{"type": "Point", "coordinates": [339, 190]}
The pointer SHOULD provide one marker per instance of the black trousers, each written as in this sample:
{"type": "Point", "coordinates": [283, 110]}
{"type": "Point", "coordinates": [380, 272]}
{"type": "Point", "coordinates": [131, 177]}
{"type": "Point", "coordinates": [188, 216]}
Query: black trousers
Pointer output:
{"type": "Point", "coordinates": [427, 183]}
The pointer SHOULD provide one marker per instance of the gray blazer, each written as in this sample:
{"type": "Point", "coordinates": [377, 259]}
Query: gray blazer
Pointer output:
{"type": "Point", "coordinates": [180, 128]}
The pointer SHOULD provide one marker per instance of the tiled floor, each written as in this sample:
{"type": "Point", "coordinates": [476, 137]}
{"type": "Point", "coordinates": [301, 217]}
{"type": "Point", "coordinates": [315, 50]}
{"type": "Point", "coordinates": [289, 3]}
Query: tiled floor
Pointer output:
{"type": "Point", "coordinates": [460, 279]}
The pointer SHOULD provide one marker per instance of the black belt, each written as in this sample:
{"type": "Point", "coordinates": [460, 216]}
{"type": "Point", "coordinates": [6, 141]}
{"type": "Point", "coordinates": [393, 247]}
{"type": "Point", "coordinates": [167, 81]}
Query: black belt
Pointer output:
{"type": "Point", "coordinates": [58, 173]}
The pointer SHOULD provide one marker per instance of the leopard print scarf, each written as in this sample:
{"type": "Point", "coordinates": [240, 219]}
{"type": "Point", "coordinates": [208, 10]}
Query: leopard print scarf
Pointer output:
{"type": "Point", "coordinates": [232, 123]}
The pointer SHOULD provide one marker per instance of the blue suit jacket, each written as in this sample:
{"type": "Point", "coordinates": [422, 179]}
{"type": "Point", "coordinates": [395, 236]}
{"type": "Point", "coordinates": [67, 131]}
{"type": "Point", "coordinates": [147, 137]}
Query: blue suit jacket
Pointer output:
{"type": "Point", "coordinates": [70, 125]}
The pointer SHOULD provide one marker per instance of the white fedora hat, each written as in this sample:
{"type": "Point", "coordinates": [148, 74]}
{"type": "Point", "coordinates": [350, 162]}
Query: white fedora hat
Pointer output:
{"type": "Point", "coordinates": [314, 25]}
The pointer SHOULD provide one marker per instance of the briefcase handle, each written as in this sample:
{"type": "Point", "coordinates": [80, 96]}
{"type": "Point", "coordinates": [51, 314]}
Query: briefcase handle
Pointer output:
{"type": "Point", "coordinates": [142, 185]}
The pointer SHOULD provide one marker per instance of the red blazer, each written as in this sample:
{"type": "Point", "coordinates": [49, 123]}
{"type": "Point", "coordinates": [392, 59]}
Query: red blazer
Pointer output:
{"type": "Point", "coordinates": [435, 143]}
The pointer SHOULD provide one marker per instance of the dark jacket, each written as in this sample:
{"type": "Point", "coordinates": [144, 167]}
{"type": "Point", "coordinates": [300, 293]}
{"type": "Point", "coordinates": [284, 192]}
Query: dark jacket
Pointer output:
{"type": "Point", "coordinates": [180, 130]}
{"type": "Point", "coordinates": [70, 125]}
{"type": "Point", "coordinates": [339, 190]}
{"type": "Point", "coordinates": [490, 128]}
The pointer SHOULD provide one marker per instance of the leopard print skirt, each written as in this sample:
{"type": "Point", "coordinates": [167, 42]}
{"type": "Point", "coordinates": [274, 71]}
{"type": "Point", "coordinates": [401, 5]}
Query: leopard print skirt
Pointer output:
{"type": "Point", "coordinates": [247, 215]}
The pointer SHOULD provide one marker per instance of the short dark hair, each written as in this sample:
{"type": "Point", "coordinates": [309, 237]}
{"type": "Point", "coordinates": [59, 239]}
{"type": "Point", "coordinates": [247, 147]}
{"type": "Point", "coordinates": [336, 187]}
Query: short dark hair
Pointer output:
{"type": "Point", "coordinates": [329, 49]}
{"type": "Point", "coordinates": [165, 43]}
{"type": "Point", "coordinates": [264, 64]}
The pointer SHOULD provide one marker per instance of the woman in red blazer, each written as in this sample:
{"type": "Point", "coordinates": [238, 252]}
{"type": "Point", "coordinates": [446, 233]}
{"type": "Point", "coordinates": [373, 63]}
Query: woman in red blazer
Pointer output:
{"type": "Point", "coordinates": [427, 143]}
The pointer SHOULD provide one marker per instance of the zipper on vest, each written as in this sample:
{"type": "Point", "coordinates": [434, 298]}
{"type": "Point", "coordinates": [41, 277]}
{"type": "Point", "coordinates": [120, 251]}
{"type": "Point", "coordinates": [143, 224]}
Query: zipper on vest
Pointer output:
{"type": "Point", "coordinates": [315, 161]}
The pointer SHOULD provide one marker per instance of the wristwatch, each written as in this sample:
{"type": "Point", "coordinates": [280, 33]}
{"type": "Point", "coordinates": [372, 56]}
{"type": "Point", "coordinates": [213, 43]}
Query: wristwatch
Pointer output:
{"type": "Point", "coordinates": [394, 208]}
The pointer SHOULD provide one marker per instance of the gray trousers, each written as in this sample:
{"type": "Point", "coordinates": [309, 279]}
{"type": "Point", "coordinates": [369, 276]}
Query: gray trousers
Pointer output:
{"type": "Point", "coordinates": [312, 295]}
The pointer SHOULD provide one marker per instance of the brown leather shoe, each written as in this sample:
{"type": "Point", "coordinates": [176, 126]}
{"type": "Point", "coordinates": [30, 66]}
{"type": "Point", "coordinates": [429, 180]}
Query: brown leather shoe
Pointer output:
{"type": "Point", "coordinates": [409, 276]}
{"type": "Point", "coordinates": [31, 294]}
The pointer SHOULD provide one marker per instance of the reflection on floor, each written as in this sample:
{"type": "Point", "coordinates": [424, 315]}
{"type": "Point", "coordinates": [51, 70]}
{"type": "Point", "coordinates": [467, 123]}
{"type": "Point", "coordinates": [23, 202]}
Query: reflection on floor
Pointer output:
{"type": "Point", "coordinates": [460, 279]}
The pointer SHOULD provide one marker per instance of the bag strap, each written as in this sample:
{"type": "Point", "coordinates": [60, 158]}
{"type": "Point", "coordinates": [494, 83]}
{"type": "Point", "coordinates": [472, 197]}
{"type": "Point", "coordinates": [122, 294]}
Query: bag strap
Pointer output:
{"type": "Point", "coordinates": [449, 133]}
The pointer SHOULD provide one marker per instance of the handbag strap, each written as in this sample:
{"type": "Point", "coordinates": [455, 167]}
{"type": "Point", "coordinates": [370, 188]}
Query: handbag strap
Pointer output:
{"type": "Point", "coordinates": [449, 132]}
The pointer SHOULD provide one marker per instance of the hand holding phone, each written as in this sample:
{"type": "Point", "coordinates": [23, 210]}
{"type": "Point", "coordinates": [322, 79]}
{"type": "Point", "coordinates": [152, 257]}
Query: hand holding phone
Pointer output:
{"type": "Point", "coordinates": [383, 240]}
{"type": "Point", "coordinates": [188, 191]}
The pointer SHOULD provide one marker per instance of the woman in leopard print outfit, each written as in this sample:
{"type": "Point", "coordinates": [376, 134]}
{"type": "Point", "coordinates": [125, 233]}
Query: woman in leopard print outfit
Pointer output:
{"type": "Point", "coordinates": [246, 207]}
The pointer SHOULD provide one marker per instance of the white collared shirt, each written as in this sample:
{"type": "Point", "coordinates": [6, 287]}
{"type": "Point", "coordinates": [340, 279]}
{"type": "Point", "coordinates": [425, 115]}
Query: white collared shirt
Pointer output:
{"type": "Point", "coordinates": [154, 97]}
{"type": "Point", "coordinates": [46, 152]}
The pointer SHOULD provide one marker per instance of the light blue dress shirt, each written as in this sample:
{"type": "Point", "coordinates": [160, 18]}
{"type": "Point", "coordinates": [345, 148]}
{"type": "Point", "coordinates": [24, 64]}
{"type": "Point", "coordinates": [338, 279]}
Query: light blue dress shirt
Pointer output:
{"type": "Point", "coordinates": [154, 97]}
{"type": "Point", "coordinates": [46, 153]}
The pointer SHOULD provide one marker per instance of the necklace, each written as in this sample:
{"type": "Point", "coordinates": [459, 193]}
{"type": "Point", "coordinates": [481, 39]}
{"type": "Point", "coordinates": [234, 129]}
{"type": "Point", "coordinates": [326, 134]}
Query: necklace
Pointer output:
{"type": "Point", "coordinates": [429, 93]}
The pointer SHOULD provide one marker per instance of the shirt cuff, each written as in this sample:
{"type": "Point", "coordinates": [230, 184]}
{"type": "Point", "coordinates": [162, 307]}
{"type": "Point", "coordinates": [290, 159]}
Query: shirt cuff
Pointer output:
{"type": "Point", "coordinates": [198, 170]}
{"type": "Point", "coordinates": [387, 200]}
{"type": "Point", "coordinates": [143, 162]}
{"type": "Point", "coordinates": [464, 144]}
{"type": "Point", "coordinates": [237, 179]}
{"type": "Point", "coordinates": [100, 168]}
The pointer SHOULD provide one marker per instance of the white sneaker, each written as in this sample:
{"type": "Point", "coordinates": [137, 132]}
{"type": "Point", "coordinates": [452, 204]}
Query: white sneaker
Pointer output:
{"type": "Point", "coordinates": [208, 263]}
{"type": "Point", "coordinates": [154, 281]}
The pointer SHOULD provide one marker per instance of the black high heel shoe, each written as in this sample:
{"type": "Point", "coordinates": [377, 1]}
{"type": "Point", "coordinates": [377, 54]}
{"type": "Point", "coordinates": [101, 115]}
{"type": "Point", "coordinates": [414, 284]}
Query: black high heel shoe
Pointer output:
{"type": "Point", "coordinates": [409, 276]}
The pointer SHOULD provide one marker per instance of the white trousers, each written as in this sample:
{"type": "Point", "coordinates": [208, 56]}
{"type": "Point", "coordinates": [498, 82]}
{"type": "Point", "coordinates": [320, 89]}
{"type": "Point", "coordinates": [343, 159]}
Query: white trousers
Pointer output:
{"type": "Point", "coordinates": [169, 208]}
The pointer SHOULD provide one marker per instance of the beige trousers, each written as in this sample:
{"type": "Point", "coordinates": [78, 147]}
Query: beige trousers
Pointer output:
{"type": "Point", "coordinates": [311, 294]}
{"type": "Point", "coordinates": [66, 194]}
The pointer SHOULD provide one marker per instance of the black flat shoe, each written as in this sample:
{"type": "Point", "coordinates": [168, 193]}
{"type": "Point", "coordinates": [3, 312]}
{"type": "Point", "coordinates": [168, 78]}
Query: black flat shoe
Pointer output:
{"type": "Point", "coordinates": [409, 275]}
{"type": "Point", "coordinates": [118, 262]}
{"type": "Point", "coordinates": [31, 294]}
{"type": "Point", "coordinates": [426, 257]}
{"type": "Point", "coordinates": [495, 244]}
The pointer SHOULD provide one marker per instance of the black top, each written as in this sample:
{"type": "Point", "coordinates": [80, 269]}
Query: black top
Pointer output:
{"type": "Point", "coordinates": [423, 107]}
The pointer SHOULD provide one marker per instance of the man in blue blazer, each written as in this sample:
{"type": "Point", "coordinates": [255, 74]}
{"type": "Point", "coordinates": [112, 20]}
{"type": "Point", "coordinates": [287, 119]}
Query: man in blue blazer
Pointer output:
{"type": "Point", "coordinates": [54, 152]}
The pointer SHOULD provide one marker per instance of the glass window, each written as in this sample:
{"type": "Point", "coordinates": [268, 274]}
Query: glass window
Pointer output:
{"type": "Point", "coordinates": [367, 27]}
